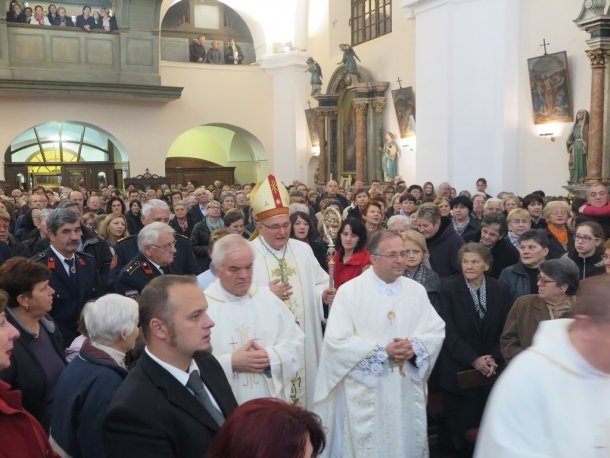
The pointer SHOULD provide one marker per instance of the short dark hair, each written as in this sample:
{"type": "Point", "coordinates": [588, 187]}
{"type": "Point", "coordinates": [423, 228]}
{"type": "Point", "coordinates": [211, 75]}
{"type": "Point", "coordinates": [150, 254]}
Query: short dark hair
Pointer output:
{"type": "Point", "coordinates": [415, 186]}
{"type": "Point", "coordinates": [564, 271]}
{"type": "Point", "coordinates": [235, 214]}
{"type": "Point", "coordinates": [358, 228]}
{"type": "Point", "coordinates": [499, 220]}
{"type": "Point", "coordinates": [407, 196]}
{"type": "Point", "coordinates": [533, 197]}
{"type": "Point", "coordinates": [153, 302]}
{"type": "Point", "coordinates": [268, 428]}
{"type": "Point", "coordinates": [461, 200]}
{"type": "Point", "coordinates": [481, 180]}
{"type": "Point", "coordinates": [538, 236]}
{"type": "Point", "coordinates": [19, 276]}
{"type": "Point", "coordinates": [476, 248]}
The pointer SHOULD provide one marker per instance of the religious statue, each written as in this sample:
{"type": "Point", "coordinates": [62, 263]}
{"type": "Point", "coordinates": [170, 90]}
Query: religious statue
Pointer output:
{"type": "Point", "coordinates": [349, 59]}
{"type": "Point", "coordinates": [316, 76]}
{"type": "Point", "coordinates": [390, 157]}
{"type": "Point", "coordinates": [577, 147]}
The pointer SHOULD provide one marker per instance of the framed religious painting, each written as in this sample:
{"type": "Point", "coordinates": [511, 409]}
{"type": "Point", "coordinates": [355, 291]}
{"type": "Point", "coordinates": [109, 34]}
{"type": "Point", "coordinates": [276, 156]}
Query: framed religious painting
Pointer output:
{"type": "Point", "coordinates": [404, 105]}
{"type": "Point", "coordinates": [550, 88]}
{"type": "Point", "coordinates": [312, 125]}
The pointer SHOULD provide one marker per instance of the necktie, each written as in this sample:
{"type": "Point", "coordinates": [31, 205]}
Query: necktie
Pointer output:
{"type": "Point", "coordinates": [72, 271]}
{"type": "Point", "coordinates": [195, 384]}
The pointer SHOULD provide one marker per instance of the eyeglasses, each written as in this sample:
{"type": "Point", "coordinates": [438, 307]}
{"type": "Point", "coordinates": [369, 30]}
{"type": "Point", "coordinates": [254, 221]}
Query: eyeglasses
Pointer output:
{"type": "Point", "coordinates": [584, 238]}
{"type": "Point", "coordinates": [544, 281]}
{"type": "Point", "coordinates": [277, 227]}
{"type": "Point", "coordinates": [166, 247]}
{"type": "Point", "coordinates": [394, 254]}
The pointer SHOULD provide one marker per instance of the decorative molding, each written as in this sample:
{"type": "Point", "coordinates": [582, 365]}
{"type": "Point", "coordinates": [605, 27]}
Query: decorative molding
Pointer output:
{"type": "Point", "coordinates": [360, 107]}
{"type": "Point", "coordinates": [591, 9]}
{"type": "Point", "coordinates": [379, 105]}
{"type": "Point", "coordinates": [65, 89]}
{"type": "Point", "coordinates": [597, 57]}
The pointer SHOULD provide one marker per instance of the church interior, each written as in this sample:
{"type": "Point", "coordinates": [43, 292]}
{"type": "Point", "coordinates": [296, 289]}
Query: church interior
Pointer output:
{"type": "Point", "coordinates": [98, 108]}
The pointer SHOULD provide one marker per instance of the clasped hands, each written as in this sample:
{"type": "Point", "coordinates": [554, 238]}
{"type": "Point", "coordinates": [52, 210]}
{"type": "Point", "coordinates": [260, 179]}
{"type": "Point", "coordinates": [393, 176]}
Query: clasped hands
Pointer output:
{"type": "Point", "coordinates": [400, 350]}
{"type": "Point", "coordinates": [486, 365]}
{"type": "Point", "coordinates": [250, 357]}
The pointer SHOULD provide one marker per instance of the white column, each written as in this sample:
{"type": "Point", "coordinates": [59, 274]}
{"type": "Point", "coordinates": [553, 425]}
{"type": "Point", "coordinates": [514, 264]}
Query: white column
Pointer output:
{"type": "Point", "coordinates": [290, 153]}
{"type": "Point", "coordinates": [466, 91]}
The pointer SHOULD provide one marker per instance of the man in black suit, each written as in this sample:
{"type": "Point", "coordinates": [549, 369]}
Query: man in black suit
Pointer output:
{"type": "Point", "coordinates": [162, 409]}
{"type": "Point", "coordinates": [74, 274]}
{"type": "Point", "coordinates": [157, 247]}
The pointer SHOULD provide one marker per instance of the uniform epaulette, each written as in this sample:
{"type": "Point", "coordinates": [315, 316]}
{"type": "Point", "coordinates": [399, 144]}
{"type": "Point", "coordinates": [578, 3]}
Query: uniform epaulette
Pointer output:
{"type": "Point", "coordinates": [125, 238]}
{"type": "Point", "coordinates": [39, 256]}
{"type": "Point", "coordinates": [133, 267]}
{"type": "Point", "coordinates": [183, 236]}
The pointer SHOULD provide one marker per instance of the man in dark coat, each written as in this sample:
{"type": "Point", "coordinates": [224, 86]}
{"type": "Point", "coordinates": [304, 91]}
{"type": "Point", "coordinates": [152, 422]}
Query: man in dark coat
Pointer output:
{"type": "Point", "coordinates": [126, 249]}
{"type": "Point", "coordinates": [176, 397]}
{"type": "Point", "coordinates": [157, 247]}
{"type": "Point", "coordinates": [74, 274]}
{"type": "Point", "coordinates": [197, 50]}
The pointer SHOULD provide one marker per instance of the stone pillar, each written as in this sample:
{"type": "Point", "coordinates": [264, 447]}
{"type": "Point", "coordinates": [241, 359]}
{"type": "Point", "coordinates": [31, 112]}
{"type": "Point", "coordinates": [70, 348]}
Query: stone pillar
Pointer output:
{"type": "Point", "coordinates": [290, 130]}
{"type": "Point", "coordinates": [596, 115]}
{"type": "Point", "coordinates": [323, 157]}
{"type": "Point", "coordinates": [375, 163]}
{"type": "Point", "coordinates": [361, 108]}
{"type": "Point", "coordinates": [332, 146]}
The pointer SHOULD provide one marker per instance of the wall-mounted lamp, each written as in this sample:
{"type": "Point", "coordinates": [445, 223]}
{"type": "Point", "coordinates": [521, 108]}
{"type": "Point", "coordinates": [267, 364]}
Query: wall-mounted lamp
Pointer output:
{"type": "Point", "coordinates": [315, 150]}
{"type": "Point", "coordinates": [548, 135]}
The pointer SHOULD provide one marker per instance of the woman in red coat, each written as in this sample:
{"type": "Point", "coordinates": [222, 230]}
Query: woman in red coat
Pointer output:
{"type": "Point", "coordinates": [27, 438]}
{"type": "Point", "coordinates": [351, 257]}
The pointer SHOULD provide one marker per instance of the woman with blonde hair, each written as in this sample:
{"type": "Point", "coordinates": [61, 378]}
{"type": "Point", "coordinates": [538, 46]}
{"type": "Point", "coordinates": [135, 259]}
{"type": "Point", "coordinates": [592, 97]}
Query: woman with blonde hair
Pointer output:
{"type": "Point", "coordinates": [113, 228]}
{"type": "Point", "coordinates": [443, 205]}
{"type": "Point", "coordinates": [557, 214]}
{"type": "Point", "coordinates": [417, 262]}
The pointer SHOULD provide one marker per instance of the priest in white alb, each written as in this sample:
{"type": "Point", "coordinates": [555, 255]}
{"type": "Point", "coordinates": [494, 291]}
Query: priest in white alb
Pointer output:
{"type": "Point", "coordinates": [290, 269]}
{"type": "Point", "coordinates": [256, 340]}
{"type": "Point", "coordinates": [382, 339]}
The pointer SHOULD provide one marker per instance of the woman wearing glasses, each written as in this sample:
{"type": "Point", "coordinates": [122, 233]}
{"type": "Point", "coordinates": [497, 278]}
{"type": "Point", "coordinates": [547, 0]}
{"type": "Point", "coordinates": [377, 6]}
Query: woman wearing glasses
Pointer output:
{"type": "Point", "coordinates": [474, 307]}
{"type": "Point", "coordinates": [418, 265]}
{"type": "Point", "coordinates": [200, 237]}
{"type": "Point", "coordinates": [561, 240]}
{"type": "Point", "coordinates": [557, 285]}
{"type": "Point", "coordinates": [588, 249]}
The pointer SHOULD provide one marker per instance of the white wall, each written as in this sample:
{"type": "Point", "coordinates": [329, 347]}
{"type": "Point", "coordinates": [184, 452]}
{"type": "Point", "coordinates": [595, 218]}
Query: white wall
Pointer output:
{"type": "Point", "coordinates": [239, 96]}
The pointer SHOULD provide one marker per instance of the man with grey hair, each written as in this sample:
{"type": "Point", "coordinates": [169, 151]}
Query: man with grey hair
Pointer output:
{"type": "Point", "coordinates": [156, 250]}
{"type": "Point", "coordinates": [256, 340]}
{"type": "Point", "coordinates": [444, 190]}
{"type": "Point", "coordinates": [155, 210]}
{"type": "Point", "coordinates": [399, 223]}
{"type": "Point", "coordinates": [74, 275]}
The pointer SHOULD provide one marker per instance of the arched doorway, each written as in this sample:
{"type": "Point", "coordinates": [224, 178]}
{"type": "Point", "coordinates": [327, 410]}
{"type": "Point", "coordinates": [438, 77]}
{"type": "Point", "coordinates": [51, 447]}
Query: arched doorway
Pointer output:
{"type": "Point", "coordinates": [65, 153]}
{"type": "Point", "coordinates": [213, 152]}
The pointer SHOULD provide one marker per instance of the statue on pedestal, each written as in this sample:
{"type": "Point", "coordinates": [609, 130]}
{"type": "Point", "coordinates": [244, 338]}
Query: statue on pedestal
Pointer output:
{"type": "Point", "coordinates": [390, 157]}
{"type": "Point", "coordinates": [316, 76]}
{"type": "Point", "coordinates": [577, 147]}
{"type": "Point", "coordinates": [349, 59]}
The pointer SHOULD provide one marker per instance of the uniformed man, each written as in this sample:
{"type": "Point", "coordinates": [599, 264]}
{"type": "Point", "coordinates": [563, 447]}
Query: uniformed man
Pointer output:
{"type": "Point", "coordinates": [126, 249]}
{"type": "Point", "coordinates": [92, 244]}
{"type": "Point", "coordinates": [73, 274]}
{"type": "Point", "coordinates": [157, 247]}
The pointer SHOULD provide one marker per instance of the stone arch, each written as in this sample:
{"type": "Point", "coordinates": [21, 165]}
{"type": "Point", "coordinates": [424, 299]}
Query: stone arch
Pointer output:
{"type": "Point", "coordinates": [225, 145]}
{"type": "Point", "coordinates": [336, 83]}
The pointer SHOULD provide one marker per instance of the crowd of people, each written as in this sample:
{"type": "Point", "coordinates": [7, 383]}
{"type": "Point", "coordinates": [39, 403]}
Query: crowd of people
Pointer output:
{"type": "Point", "coordinates": [188, 320]}
{"type": "Point", "coordinates": [198, 53]}
{"type": "Point", "coordinates": [101, 20]}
